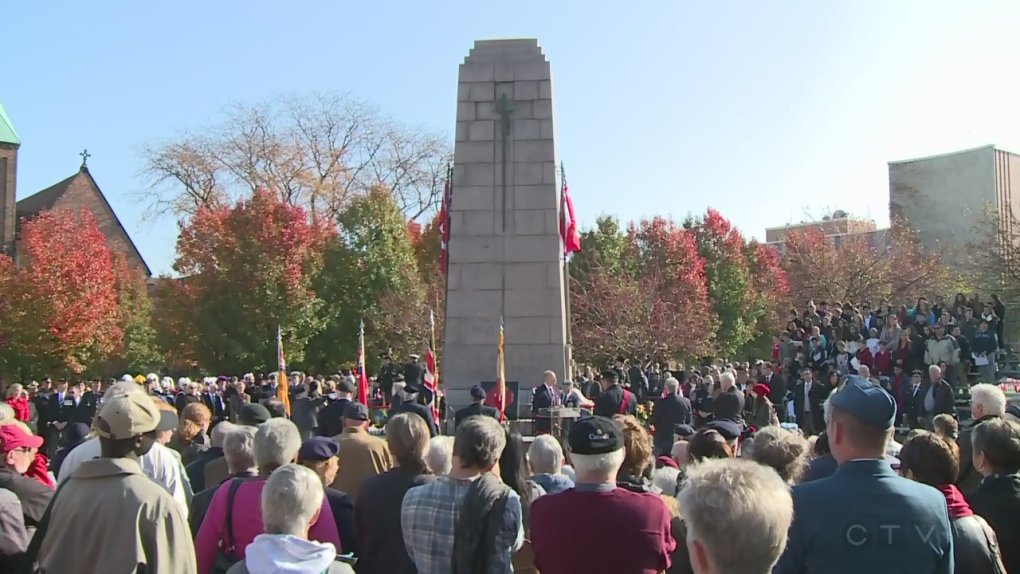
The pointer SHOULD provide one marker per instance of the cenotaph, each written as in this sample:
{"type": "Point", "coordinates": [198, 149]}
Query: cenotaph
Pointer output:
{"type": "Point", "coordinates": [505, 251]}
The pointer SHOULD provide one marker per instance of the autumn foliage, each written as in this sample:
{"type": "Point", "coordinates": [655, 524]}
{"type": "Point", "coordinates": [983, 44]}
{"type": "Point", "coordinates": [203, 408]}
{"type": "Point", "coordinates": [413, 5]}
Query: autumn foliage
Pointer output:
{"type": "Point", "coordinates": [672, 290]}
{"type": "Point", "coordinates": [60, 309]}
{"type": "Point", "coordinates": [860, 267]}
{"type": "Point", "coordinates": [245, 270]}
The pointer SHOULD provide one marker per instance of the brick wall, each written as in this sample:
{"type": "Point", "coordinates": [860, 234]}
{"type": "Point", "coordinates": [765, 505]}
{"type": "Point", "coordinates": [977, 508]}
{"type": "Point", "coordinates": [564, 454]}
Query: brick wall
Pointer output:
{"type": "Point", "coordinates": [83, 193]}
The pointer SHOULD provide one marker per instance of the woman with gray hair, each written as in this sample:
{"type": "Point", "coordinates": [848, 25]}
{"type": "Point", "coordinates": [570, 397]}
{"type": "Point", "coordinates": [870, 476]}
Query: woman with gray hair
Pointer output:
{"type": "Point", "coordinates": [291, 500]}
{"type": "Point", "coordinates": [234, 518]}
{"type": "Point", "coordinates": [784, 451]}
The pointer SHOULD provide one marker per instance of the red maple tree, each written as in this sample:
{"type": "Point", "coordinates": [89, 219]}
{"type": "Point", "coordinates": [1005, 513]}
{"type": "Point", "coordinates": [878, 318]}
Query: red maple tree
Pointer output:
{"type": "Point", "coordinates": [62, 304]}
{"type": "Point", "coordinates": [246, 270]}
{"type": "Point", "coordinates": [860, 267]}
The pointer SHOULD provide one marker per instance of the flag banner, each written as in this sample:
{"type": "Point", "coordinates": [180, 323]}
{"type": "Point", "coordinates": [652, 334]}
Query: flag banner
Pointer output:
{"type": "Point", "coordinates": [362, 373]}
{"type": "Point", "coordinates": [568, 223]}
{"type": "Point", "coordinates": [431, 370]}
{"type": "Point", "coordinates": [282, 381]}
{"type": "Point", "coordinates": [501, 377]}
{"type": "Point", "coordinates": [444, 222]}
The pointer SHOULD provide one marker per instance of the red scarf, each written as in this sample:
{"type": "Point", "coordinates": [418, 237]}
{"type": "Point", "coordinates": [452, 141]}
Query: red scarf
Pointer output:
{"type": "Point", "coordinates": [958, 507]}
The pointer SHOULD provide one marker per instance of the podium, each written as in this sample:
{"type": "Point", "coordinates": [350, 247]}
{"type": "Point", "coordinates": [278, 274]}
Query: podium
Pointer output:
{"type": "Point", "coordinates": [560, 420]}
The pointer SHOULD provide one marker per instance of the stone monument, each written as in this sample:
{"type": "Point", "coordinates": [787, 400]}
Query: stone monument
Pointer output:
{"type": "Point", "coordinates": [505, 251]}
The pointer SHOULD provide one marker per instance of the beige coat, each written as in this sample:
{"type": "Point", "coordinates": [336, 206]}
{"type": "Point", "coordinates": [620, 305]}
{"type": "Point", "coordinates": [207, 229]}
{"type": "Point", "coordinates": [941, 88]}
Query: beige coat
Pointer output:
{"type": "Point", "coordinates": [110, 517]}
{"type": "Point", "coordinates": [361, 456]}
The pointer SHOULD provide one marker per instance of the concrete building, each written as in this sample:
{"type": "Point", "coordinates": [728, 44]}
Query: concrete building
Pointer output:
{"type": "Point", "coordinates": [839, 224]}
{"type": "Point", "coordinates": [945, 196]}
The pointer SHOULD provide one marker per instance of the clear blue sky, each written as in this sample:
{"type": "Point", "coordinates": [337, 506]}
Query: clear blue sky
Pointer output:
{"type": "Point", "coordinates": [760, 109]}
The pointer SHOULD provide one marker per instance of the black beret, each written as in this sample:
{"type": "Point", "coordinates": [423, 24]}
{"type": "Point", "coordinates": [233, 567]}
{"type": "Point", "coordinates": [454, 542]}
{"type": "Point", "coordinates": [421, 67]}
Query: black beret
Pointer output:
{"type": "Point", "coordinates": [318, 448]}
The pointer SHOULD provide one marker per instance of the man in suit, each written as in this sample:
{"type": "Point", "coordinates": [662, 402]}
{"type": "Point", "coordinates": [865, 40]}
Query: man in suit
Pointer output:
{"type": "Point", "coordinates": [866, 518]}
{"type": "Point", "coordinates": [213, 400]}
{"type": "Point", "coordinates": [414, 376]}
{"type": "Point", "coordinates": [330, 423]}
{"type": "Point", "coordinates": [670, 410]}
{"type": "Point", "coordinates": [936, 397]}
{"type": "Point", "coordinates": [387, 376]}
{"type": "Point", "coordinates": [806, 403]}
{"type": "Point", "coordinates": [477, 407]}
{"type": "Point", "coordinates": [614, 399]}
{"type": "Point", "coordinates": [544, 396]}
{"type": "Point", "coordinates": [777, 389]}
{"type": "Point", "coordinates": [911, 400]}
{"type": "Point", "coordinates": [90, 401]}
{"type": "Point", "coordinates": [406, 398]}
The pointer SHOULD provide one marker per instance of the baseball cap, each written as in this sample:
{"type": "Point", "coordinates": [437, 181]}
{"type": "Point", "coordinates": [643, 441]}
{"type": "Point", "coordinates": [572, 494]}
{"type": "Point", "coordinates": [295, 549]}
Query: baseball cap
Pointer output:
{"type": "Point", "coordinates": [595, 435]}
{"type": "Point", "coordinates": [318, 448]}
{"type": "Point", "coordinates": [128, 414]}
{"type": "Point", "coordinates": [13, 436]}
{"type": "Point", "coordinates": [253, 414]}
{"type": "Point", "coordinates": [866, 401]}
{"type": "Point", "coordinates": [477, 392]}
{"type": "Point", "coordinates": [356, 412]}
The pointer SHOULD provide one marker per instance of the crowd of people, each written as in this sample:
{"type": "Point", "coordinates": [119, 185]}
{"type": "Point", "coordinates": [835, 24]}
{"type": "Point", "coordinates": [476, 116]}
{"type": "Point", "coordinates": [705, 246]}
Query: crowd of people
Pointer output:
{"type": "Point", "coordinates": [137, 494]}
{"type": "Point", "coordinates": [785, 465]}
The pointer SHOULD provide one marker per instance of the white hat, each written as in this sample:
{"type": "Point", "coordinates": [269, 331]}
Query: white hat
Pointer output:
{"type": "Point", "coordinates": [152, 377]}
{"type": "Point", "coordinates": [127, 379]}
{"type": "Point", "coordinates": [183, 382]}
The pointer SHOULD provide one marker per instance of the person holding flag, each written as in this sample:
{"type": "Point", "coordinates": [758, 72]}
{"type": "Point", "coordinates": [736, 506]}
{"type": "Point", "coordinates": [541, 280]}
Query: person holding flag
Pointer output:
{"type": "Point", "coordinates": [362, 373]}
{"type": "Point", "coordinates": [431, 377]}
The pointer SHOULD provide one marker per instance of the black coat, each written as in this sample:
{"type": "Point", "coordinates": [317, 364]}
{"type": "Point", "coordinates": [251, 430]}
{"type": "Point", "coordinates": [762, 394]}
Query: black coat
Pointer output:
{"type": "Point", "coordinates": [670, 410]}
{"type": "Point", "coordinates": [611, 402]}
{"type": "Point", "coordinates": [541, 399]}
{"type": "Point", "coordinates": [420, 410]}
{"type": "Point", "coordinates": [472, 410]}
{"type": "Point", "coordinates": [969, 476]}
{"type": "Point", "coordinates": [997, 500]}
{"type": "Point", "coordinates": [331, 421]}
{"type": "Point", "coordinates": [342, 506]}
{"type": "Point", "coordinates": [816, 396]}
{"type": "Point", "coordinates": [944, 400]}
{"type": "Point", "coordinates": [414, 374]}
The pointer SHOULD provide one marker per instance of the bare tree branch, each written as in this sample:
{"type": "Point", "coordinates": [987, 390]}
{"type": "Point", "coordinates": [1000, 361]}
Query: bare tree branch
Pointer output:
{"type": "Point", "coordinates": [318, 150]}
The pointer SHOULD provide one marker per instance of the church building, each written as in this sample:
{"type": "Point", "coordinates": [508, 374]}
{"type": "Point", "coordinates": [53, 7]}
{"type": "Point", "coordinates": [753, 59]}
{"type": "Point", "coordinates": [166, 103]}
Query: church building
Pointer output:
{"type": "Point", "coordinates": [74, 192]}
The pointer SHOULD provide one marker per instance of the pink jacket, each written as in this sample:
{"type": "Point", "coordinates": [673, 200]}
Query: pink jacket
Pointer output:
{"type": "Point", "coordinates": [247, 520]}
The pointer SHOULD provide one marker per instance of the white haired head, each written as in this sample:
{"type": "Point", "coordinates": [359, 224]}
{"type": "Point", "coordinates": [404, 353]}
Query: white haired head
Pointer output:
{"type": "Point", "coordinates": [727, 379]}
{"type": "Point", "coordinates": [439, 456]}
{"type": "Point", "coordinates": [277, 442]}
{"type": "Point", "coordinates": [545, 455]}
{"type": "Point", "coordinates": [737, 514]}
{"type": "Point", "coordinates": [989, 400]}
{"type": "Point", "coordinates": [672, 385]}
{"type": "Point", "coordinates": [665, 479]}
{"type": "Point", "coordinates": [597, 468]}
{"type": "Point", "coordinates": [291, 500]}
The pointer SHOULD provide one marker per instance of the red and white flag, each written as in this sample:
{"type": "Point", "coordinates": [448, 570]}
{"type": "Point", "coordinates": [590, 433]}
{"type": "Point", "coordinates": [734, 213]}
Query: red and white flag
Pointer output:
{"type": "Point", "coordinates": [444, 221]}
{"type": "Point", "coordinates": [362, 373]}
{"type": "Point", "coordinates": [568, 223]}
{"type": "Point", "coordinates": [432, 370]}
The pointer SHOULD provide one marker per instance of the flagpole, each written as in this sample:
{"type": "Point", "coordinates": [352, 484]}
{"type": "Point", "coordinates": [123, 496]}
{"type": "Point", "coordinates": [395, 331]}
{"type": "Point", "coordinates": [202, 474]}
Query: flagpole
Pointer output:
{"type": "Point", "coordinates": [566, 281]}
{"type": "Point", "coordinates": [446, 259]}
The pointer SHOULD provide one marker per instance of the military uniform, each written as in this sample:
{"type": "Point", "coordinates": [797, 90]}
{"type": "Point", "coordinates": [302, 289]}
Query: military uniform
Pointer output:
{"type": "Point", "coordinates": [386, 377]}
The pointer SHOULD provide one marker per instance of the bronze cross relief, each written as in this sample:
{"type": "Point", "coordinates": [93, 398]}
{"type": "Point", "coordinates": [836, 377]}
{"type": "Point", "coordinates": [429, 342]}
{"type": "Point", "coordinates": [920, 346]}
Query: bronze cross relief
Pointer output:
{"type": "Point", "coordinates": [505, 109]}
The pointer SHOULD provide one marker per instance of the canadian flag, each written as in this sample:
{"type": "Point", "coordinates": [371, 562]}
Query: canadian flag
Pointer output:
{"type": "Point", "coordinates": [568, 223]}
{"type": "Point", "coordinates": [444, 221]}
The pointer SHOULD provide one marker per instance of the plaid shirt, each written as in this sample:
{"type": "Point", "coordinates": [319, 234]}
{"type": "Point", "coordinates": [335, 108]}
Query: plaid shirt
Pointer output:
{"type": "Point", "coordinates": [428, 520]}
